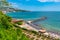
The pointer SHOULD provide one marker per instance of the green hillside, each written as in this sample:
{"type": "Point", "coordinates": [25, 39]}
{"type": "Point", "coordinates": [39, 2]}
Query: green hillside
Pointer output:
{"type": "Point", "coordinates": [8, 31]}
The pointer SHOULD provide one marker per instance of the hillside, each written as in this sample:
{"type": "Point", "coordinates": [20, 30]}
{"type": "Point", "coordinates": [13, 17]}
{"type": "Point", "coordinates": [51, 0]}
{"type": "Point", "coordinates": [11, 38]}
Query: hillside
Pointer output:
{"type": "Point", "coordinates": [8, 31]}
{"type": "Point", "coordinates": [10, 9]}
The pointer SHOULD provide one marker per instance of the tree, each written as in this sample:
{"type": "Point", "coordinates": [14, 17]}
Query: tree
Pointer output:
{"type": "Point", "coordinates": [4, 3]}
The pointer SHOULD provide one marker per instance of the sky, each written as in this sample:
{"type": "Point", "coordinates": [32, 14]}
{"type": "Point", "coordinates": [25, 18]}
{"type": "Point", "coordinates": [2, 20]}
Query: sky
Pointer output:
{"type": "Point", "coordinates": [36, 5]}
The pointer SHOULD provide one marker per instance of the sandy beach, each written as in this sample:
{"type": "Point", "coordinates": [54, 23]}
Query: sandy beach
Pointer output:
{"type": "Point", "coordinates": [47, 33]}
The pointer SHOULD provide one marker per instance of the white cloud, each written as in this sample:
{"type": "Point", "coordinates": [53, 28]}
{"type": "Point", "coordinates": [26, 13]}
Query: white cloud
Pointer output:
{"type": "Point", "coordinates": [49, 0]}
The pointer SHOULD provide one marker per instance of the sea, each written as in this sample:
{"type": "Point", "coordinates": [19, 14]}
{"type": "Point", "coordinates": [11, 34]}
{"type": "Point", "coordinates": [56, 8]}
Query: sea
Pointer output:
{"type": "Point", "coordinates": [52, 23]}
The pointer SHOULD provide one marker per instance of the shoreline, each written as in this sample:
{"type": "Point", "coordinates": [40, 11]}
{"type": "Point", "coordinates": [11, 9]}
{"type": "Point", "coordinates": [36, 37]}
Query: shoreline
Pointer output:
{"type": "Point", "coordinates": [28, 26]}
{"type": "Point", "coordinates": [53, 34]}
{"type": "Point", "coordinates": [50, 33]}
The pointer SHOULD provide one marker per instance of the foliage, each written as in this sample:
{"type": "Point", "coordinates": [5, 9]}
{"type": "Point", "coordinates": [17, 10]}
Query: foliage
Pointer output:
{"type": "Point", "coordinates": [4, 3]}
{"type": "Point", "coordinates": [8, 31]}
{"type": "Point", "coordinates": [19, 23]}
{"type": "Point", "coordinates": [34, 32]}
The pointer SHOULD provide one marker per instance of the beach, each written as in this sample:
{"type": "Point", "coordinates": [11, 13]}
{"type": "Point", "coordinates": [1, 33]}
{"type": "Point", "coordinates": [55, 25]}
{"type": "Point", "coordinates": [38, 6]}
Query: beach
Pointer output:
{"type": "Point", "coordinates": [52, 23]}
{"type": "Point", "coordinates": [32, 27]}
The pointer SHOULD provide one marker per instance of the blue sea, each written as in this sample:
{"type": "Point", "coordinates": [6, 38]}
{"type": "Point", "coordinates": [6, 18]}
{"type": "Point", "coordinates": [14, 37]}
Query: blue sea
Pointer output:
{"type": "Point", "coordinates": [52, 23]}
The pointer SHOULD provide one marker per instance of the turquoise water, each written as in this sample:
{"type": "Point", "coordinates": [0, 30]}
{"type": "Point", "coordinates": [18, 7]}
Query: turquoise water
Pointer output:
{"type": "Point", "coordinates": [51, 23]}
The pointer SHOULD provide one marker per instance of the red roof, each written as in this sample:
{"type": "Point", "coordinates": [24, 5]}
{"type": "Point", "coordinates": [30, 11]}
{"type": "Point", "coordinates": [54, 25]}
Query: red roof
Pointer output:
{"type": "Point", "coordinates": [15, 20]}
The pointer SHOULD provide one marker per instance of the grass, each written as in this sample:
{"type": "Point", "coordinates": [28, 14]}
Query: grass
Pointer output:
{"type": "Point", "coordinates": [8, 31]}
{"type": "Point", "coordinates": [19, 23]}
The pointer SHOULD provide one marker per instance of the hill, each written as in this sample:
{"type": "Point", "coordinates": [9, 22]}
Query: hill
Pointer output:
{"type": "Point", "coordinates": [8, 31]}
{"type": "Point", "coordinates": [10, 9]}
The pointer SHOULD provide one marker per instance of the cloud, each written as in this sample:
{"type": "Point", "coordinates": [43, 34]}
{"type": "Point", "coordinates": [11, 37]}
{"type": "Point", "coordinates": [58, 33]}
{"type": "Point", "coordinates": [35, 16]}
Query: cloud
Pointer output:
{"type": "Point", "coordinates": [48, 0]}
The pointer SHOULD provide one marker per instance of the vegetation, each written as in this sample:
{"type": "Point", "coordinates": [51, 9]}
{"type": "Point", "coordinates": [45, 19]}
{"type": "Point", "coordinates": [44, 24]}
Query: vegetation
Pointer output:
{"type": "Point", "coordinates": [4, 3]}
{"type": "Point", "coordinates": [8, 31]}
{"type": "Point", "coordinates": [19, 23]}
{"type": "Point", "coordinates": [33, 35]}
{"type": "Point", "coordinates": [6, 6]}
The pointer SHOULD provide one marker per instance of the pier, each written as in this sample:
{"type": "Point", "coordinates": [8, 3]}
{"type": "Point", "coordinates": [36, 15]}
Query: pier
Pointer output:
{"type": "Point", "coordinates": [40, 19]}
{"type": "Point", "coordinates": [31, 23]}
{"type": "Point", "coordinates": [31, 26]}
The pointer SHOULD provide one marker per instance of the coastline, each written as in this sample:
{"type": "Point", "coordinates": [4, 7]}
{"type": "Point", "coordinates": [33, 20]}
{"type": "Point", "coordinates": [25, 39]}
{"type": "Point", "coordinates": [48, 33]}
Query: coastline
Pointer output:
{"type": "Point", "coordinates": [52, 21]}
{"type": "Point", "coordinates": [54, 33]}
{"type": "Point", "coordinates": [47, 33]}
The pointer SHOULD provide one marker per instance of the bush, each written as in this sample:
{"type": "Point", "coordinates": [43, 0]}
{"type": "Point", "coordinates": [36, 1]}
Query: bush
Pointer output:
{"type": "Point", "coordinates": [19, 23]}
{"type": "Point", "coordinates": [34, 32]}
{"type": "Point", "coordinates": [9, 31]}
